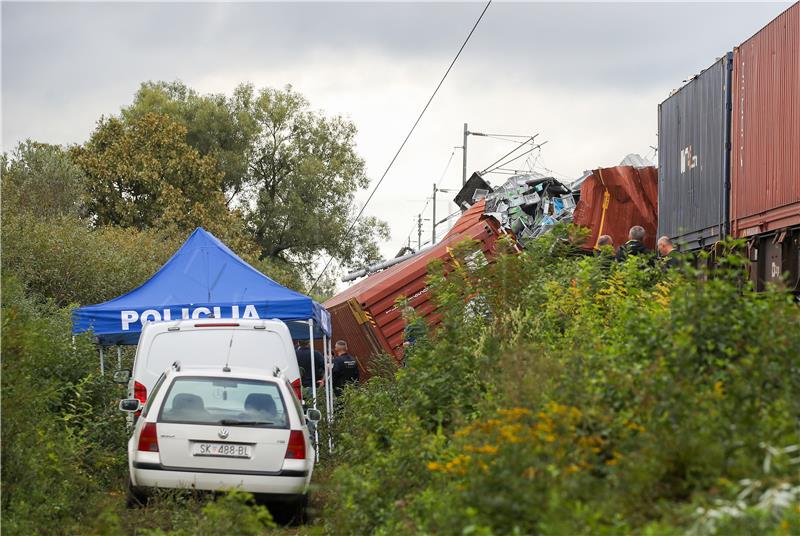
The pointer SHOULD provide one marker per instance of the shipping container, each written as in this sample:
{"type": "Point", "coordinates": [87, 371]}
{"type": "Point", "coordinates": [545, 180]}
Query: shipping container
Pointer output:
{"type": "Point", "coordinates": [366, 315]}
{"type": "Point", "coordinates": [765, 189]}
{"type": "Point", "coordinates": [613, 200]}
{"type": "Point", "coordinates": [694, 159]}
{"type": "Point", "coordinates": [765, 153]}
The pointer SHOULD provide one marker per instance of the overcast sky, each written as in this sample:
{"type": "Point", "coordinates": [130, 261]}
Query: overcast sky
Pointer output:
{"type": "Point", "coordinates": [587, 77]}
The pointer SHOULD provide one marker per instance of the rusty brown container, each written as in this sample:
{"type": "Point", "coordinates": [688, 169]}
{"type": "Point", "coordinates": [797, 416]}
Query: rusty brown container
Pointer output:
{"type": "Point", "coordinates": [366, 315]}
{"type": "Point", "coordinates": [765, 134]}
{"type": "Point", "coordinates": [615, 199]}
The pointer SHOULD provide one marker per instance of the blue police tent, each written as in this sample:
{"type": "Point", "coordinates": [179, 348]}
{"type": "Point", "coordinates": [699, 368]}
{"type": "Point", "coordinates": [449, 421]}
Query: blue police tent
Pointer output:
{"type": "Point", "coordinates": [204, 278]}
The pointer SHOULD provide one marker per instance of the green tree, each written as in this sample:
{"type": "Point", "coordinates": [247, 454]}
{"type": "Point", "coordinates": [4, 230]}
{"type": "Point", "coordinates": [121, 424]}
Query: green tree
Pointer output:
{"type": "Point", "coordinates": [41, 179]}
{"type": "Point", "coordinates": [305, 171]}
{"type": "Point", "coordinates": [142, 174]}
{"type": "Point", "coordinates": [214, 126]}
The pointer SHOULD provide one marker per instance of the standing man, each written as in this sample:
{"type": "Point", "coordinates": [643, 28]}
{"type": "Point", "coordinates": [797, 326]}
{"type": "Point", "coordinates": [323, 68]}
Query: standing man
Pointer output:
{"type": "Point", "coordinates": [304, 355]}
{"type": "Point", "coordinates": [634, 245]}
{"type": "Point", "coordinates": [345, 368]}
{"type": "Point", "coordinates": [666, 250]}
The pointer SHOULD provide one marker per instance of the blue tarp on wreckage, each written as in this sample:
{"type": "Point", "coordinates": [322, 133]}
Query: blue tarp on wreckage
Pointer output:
{"type": "Point", "coordinates": [202, 279]}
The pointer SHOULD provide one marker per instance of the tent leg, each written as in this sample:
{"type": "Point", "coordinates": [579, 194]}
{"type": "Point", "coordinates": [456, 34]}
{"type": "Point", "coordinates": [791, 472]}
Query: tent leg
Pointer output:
{"type": "Point", "coordinates": [119, 357]}
{"type": "Point", "coordinates": [330, 397]}
{"type": "Point", "coordinates": [313, 381]}
{"type": "Point", "coordinates": [102, 362]}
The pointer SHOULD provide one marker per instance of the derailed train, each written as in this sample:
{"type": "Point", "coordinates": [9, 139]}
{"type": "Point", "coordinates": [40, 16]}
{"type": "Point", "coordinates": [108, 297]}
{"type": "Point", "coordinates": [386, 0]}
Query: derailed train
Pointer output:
{"type": "Point", "coordinates": [729, 165]}
{"type": "Point", "coordinates": [729, 153]}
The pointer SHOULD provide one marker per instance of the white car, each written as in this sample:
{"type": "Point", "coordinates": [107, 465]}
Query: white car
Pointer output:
{"type": "Point", "coordinates": [205, 342]}
{"type": "Point", "coordinates": [221, 428]}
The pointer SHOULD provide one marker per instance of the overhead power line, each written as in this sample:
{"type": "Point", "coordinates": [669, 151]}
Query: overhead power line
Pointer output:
{"type": "Point", "coordinates": [414, 126]}
{"type": "Point", "coordinates": [516, 157]}
{"type": "Point", "coordinates": [509, 153]}
{"type": "Point", "coordinates": [428, 199]}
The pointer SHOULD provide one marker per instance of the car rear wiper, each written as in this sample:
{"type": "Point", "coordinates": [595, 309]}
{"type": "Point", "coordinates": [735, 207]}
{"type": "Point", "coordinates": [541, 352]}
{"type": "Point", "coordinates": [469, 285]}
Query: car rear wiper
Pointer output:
{"type": "Point", "coordinates": [237, 422]}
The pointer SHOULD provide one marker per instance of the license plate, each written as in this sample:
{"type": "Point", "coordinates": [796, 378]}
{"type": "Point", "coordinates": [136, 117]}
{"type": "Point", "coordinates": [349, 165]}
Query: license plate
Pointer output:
{"type": "Point", "coordinates": [225, 450]}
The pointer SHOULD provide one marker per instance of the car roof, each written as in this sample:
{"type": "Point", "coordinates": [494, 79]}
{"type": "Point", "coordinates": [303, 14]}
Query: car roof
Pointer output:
{"type": "Point", "coordinates": [233, 372]}
{"type": "Point", "coordinates": [231, 323]}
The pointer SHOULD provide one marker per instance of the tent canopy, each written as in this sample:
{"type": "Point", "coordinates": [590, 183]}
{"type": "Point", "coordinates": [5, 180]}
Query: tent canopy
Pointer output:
{"type": "Point", "coordinates": [202, 279]}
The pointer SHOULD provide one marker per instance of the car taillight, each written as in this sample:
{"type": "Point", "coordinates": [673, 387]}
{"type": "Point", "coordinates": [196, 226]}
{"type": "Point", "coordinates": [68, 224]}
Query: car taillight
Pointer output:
{"type": "Point", "coordinates": [140, 392]}
{"type": "Point", "coordinates": [148, 439]}
{"type": "Point", "coordinates": [297, 446]}
{"type": "Point", "coordinates": [297, 389]}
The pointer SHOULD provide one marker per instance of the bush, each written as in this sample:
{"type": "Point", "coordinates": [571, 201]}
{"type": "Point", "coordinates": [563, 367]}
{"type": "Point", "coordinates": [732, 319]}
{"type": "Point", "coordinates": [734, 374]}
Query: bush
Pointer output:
{"type": "Point", "coordinates": [63, 438]}
{"type": "Point", "coordinates": [564, 395]}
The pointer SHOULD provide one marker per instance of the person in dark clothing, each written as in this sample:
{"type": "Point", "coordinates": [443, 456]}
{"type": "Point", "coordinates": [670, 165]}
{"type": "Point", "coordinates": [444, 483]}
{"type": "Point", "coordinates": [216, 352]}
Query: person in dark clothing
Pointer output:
{"type": "Point", "coordinates": [304, 362]}
{"type": "Point", "coordinates": [345, 368]}
{"type": "Point", "coordinates": [666, 251]}
{"type": "Point", "coordinates": [635, 244]}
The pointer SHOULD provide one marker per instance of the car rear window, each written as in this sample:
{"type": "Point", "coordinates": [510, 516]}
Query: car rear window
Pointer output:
{"type": "Point", "coordinates": [224, 401]}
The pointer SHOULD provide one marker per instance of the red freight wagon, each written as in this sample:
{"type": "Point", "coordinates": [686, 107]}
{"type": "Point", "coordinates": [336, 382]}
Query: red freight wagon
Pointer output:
{"type": "Point", "coordinates": [765, 152]}
{"type": "Point", "coordinates": [366, 316]}
{"type": "Point", "coordinates": [615, 199]}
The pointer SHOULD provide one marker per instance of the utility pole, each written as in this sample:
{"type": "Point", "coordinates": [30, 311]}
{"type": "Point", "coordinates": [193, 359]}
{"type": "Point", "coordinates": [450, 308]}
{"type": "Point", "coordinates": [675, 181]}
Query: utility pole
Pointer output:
{"type": "Point", "coordinates": [419, 231]}
{"type": "Point", "coordinates": [433, 219]}
{"type": "Point", "coordinates": [464, 169]}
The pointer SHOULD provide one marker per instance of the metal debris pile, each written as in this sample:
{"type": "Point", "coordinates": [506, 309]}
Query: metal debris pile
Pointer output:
{"type": "Point", "coordinates": [529, 205]}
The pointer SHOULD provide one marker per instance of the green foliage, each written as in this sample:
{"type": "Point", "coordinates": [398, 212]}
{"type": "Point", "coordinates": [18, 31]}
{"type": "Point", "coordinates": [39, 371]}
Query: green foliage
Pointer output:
{"type": "Point", "coordinates": [305, 171]}
{"type": "Point", "coordinates": [234, 513]}
{"type": "Point", "coordinates": [63, 438]}
{"type": "Point", "coordinates": [215, 126]}
{"type": "Point", "coordinates": [64, 260]}
{"type": "Point", "coordinates": [41, 179]}
{"type": "Point", "coordinates": [569, 395]}
{"type": "Point", "coordinates": [142, 175]}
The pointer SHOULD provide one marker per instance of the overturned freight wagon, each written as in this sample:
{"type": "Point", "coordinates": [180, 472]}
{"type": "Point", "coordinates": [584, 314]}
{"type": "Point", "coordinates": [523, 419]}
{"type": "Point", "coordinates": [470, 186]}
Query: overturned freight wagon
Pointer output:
{"type": "Point", "coordinates": [366, 315]}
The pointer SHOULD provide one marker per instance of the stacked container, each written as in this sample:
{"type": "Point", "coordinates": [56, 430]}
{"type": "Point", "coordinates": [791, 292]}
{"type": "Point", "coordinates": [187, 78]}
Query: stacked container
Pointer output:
{"type": "Point", "coordinates": [765, 155]}
{"type": "Point", "coordinates": [729, 153]}
{"type": "Point", "coordinates": [693, 159]}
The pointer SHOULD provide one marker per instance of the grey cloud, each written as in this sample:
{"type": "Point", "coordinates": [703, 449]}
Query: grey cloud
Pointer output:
{"type": "Point", "coordinates": [72, 55]}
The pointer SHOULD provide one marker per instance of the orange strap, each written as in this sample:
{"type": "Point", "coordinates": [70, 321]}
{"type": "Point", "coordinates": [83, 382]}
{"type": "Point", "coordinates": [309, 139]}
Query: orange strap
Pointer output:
{"type": "Point", "coordinates": [606, 199]}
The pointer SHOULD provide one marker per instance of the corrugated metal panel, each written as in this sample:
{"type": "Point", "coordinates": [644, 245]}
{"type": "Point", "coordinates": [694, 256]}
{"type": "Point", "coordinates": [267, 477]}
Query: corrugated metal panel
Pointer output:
{"type": "Point", "coordinates": [765, 157]}
{"type": "Point", "coordinates": [376, 295]}
{"type": "Point", "coordinates": [356, 327]}
{"type": "Point", "coordinates": [632, 200]}
{"type": "Point", "coordinates": [693, 161]}
{"type": "Point", "coordinates": [475, 213]}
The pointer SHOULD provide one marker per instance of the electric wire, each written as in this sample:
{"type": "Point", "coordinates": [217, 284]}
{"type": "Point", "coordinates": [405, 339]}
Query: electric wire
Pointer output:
{"type": "Point", "coordinates": [509, 153]}
{"type": "Point", "coordinates": [517, 157]}
{"type": "Point", "coordinates": [413, 127]}
{"type": "Point", "coordinates": [428, 199]}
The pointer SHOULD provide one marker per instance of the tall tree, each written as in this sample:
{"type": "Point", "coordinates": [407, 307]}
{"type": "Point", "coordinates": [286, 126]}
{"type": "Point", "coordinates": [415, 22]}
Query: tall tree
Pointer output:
{"type": "Point", "coordinates": [42, 180]}
{"type": "Point", "coordinates": [142, 174]}
{"type": "Point", "coordinates": [213, 126]}
{"type": "Point", "coordinates": [304, 172]}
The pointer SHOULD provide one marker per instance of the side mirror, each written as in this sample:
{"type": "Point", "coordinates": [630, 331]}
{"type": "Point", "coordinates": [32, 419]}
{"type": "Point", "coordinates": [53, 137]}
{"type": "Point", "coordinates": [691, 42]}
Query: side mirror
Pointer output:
{"type": "Point", "coordinates": [313, 415]}
{"type": "Point", "coordinates": [131, 405]}
{"type": "Point", "coordinates": [122, 376]}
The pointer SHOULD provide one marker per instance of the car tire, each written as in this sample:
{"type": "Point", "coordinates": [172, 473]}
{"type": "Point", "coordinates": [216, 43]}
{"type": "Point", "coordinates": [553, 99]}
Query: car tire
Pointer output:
{"type": "Point", "coordinates": [135, 497]}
